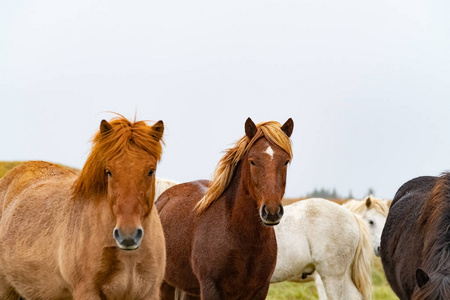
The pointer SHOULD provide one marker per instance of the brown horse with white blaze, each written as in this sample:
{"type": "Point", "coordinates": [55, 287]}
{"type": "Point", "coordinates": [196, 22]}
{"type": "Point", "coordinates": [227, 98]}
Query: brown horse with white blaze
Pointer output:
{"type": "Point", "coordinates": [220, 242]}
{"type": "Point", "coordinates": [92, 236]}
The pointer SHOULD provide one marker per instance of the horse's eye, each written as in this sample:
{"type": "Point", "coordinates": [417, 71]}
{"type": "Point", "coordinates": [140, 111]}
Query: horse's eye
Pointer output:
{"type": "Point", "coordinates": [151, 173]}
{"type": "Point", "coordinates": [371, 222]}
{"type": "Point", "coordinates": [108, 172]}
{"type": "Point", "coordinates": [252, 163]}
{"type": "Point", "coordinates": [286, 163]}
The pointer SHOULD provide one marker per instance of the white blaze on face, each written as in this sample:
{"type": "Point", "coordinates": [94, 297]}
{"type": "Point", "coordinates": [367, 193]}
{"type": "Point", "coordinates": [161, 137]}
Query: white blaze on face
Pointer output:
{"type": "Point", "coordinates": [269, 151]}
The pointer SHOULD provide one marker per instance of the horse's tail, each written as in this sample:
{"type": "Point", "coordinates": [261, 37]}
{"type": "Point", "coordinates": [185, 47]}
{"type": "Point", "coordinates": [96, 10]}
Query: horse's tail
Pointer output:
{"type": "Point", "coordinates": [362, 261]}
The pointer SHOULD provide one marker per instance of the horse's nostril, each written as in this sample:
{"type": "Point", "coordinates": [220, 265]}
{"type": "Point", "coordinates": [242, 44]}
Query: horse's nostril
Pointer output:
{"type": "Point", "coordinates": [280, 211]}
{"type": "Point", "coordinates": [116, 234]}
{"type": "Point", "coordinates": [264, 211]}
{"type": "Point", "coordinates": [139, 233]}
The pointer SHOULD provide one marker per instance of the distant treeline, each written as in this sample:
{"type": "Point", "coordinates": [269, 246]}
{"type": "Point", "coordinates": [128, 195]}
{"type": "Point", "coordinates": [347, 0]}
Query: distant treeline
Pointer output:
{"type": "Point", "coordinates": [333, 194]}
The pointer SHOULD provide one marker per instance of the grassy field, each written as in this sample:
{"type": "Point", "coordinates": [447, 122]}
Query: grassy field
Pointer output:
{"type": "Point", "coordinates": [290, 290]}
{"type": "Point", "coordinates": [5, 166]}
{"type": "Point", "coordinates": [307, 291]}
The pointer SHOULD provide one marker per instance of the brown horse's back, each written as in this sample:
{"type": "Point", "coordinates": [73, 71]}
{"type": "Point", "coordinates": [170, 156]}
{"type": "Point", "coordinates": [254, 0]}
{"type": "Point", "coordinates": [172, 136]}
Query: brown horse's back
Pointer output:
{"type": "Point", "coordinates": [176, 211]}
{"type": "Point", "coordinates": [30, 190]}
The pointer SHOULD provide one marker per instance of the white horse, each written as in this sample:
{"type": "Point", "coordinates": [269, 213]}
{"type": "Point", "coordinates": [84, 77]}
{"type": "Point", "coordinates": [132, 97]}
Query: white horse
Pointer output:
{"type": "Point", "coordinates": [322, 236]}
{"type": "Point", "coordinates": [374, 211]}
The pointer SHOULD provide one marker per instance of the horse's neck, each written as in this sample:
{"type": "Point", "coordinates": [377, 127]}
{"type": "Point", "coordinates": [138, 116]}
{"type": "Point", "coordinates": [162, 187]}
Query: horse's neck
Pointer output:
{"type": "Point", "coordinates": [95, 213]}
{"type": "Point", "coordinates": [436, 252]}
{"type": "Point", "coordinates": [242, 207]}
{"type": "Point", "coordinates": [436, 241]}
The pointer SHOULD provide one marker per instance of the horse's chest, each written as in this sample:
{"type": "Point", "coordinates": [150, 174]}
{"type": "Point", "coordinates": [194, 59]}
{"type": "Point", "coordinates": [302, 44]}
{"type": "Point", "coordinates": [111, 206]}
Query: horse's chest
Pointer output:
{"type": "Point", "coordinates": [245, 274]}
{"type": "Point", "coordinates": [245, 282]}
{"type": "Point", "coordinates": [126, 280]}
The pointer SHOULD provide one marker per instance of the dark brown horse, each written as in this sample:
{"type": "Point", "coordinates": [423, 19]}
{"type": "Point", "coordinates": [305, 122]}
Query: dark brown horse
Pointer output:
{"type": "Point", "coordinates": [219, 239]}
{"type": "Point", "coordinates": [415, 244]}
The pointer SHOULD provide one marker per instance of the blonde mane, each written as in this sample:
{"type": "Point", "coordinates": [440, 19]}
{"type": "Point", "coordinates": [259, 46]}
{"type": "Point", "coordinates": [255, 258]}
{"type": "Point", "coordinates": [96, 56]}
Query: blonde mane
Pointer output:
{"type": "Point", "coordinates": [362, 262]}
{"type": "Point", "coordinates": [124, 137]}
{"type": "Point", "coordinates": [225, 168]}
{"type": "Point", "coordinates": [360, 206]}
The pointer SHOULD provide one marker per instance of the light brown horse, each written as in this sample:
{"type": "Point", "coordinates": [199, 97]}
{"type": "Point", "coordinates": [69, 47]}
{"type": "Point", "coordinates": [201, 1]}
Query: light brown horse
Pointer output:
{"type": "Point", "coordinates": [92, 236]}
{"type": "Point", "coordinates": [219, 239]}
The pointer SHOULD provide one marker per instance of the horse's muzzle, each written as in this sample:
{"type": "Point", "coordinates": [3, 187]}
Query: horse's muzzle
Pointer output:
{"type": "Point", "coordinates": [377, 251]}
{"type": "Point", "coordinates": [130, 241]}
{"type": "Point", "coordinates": [269, 217]}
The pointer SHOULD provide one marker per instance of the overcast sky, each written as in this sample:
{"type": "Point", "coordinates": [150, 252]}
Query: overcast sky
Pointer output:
{"type": "Point", "coordinates": [367, 83]}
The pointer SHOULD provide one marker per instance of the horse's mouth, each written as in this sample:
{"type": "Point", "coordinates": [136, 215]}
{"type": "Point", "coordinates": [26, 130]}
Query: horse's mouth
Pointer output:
{"type": "Point", "coordinates": [271, 219]}
{"type": "Point", "coordinates": [128, 248]}
{"type": "Point", "coordinates": [377, 251]}
{"type": "Point", "coordinates": [271, 223]}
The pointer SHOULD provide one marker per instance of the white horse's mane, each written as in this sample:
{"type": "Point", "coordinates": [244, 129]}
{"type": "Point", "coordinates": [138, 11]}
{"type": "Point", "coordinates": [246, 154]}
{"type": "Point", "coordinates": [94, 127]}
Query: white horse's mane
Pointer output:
{"type": "Point", "coordinates": [361, 206]}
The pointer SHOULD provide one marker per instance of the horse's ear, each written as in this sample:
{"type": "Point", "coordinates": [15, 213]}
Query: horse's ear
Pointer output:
{"type": "Point", "coordinates": [158, 130]}
{"type": "Point", "coordinates": [422, 278]}
{"type": "Point", "coordinates": [368, 202]}
{"type": "Point", "coordinates": [250, 128]}
{"type": "Point", "coordinates": [105, 127]}
{"type": "Point", "coordinates": [288, 127]}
